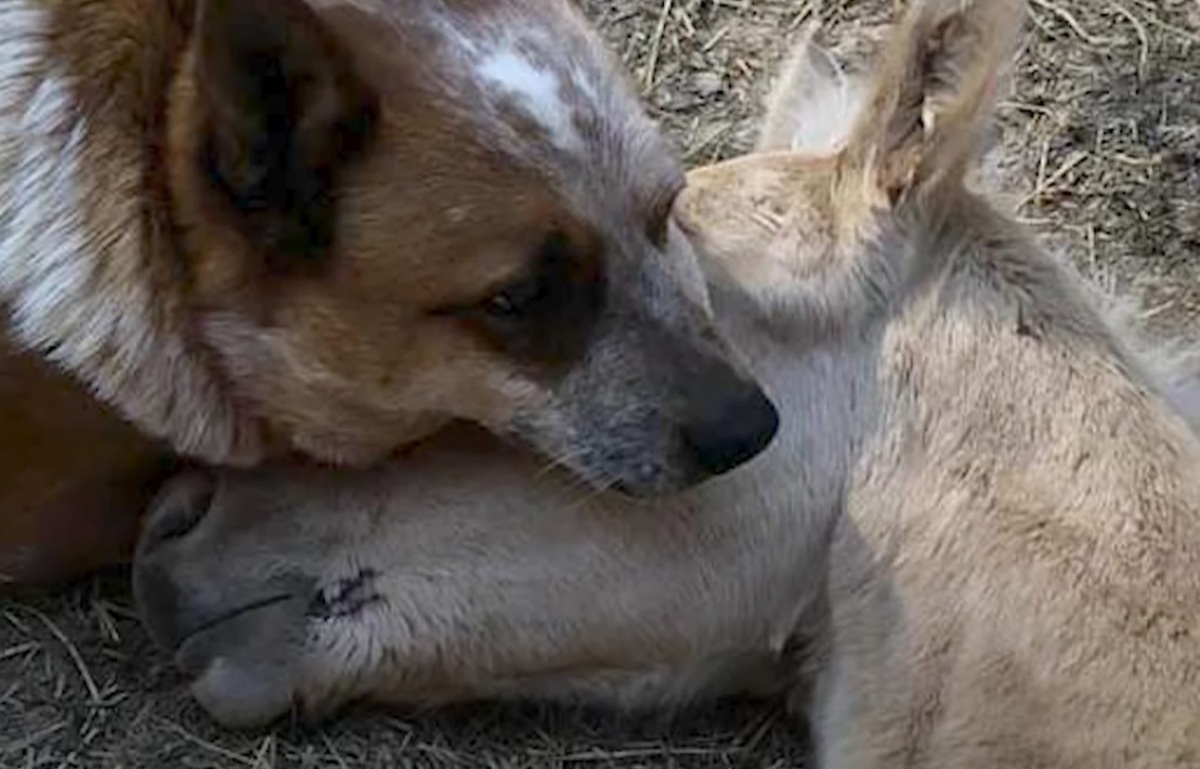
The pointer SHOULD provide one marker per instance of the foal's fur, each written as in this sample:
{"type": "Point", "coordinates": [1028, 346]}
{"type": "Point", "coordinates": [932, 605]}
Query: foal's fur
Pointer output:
{"type": "Point", "coordinates": [980, 525]}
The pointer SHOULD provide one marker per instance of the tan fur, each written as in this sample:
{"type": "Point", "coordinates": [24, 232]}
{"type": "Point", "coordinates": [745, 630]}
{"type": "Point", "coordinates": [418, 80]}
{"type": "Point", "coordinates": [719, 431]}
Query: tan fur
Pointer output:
{"type": "Point", "coordinates": [332, 227]}
{"type": "Point", "coordinates": [975, 543]}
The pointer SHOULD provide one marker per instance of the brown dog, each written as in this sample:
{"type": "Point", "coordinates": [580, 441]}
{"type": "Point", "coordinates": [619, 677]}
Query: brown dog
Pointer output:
{"type": "Point", "coordinates": [249, 227]}
{"type": "Point", "coordinates": [979, 525]}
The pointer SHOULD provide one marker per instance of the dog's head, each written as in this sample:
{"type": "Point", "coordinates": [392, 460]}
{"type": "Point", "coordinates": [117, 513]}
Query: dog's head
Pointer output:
{"type": "Point", "coordinates": [395, 214]}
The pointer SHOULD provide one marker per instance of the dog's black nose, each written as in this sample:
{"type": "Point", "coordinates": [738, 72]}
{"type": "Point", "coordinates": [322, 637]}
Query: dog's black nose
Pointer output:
{"type": "Point", "coordinates": [732, 430]}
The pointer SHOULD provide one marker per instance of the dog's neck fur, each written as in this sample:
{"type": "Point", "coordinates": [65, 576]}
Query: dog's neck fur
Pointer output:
{"type": "Point", "coordinates": [86, 253]}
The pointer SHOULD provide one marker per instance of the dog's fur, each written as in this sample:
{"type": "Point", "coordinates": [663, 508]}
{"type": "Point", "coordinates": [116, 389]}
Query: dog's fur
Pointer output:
{"type": "Point", "coordinates": [332, 226]}
{"type": "Point", "coordinates": [975, 543]}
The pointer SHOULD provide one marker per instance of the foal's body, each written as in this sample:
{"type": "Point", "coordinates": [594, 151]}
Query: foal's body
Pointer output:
{"type": "Point", "coordinates": [980, 522]}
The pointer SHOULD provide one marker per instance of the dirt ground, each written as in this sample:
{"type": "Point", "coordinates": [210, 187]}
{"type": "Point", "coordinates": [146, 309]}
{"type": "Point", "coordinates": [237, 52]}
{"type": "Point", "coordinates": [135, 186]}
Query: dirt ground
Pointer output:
{"type": "Point", "coordinates": [1101, 152]}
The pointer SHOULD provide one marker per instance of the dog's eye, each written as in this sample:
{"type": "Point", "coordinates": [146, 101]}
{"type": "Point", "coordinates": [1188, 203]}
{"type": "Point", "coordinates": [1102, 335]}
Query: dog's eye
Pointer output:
{"type": "Point", "coordinates": [520, 299]}
{"type": "Point", "coordinates": [546, 314]}
{"type": "Point", "coordinates": [514, 301]}
{"type": "Point", "coordinates": [501, 305]}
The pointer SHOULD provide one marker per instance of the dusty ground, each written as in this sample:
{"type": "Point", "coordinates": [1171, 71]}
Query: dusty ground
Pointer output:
{"type": "Point", "coordinates": [1101, 147]}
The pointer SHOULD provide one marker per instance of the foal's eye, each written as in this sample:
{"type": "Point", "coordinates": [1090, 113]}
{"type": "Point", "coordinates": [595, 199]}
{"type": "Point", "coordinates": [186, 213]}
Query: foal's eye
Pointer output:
{"type": "Point", "coordinates": [658, 226]}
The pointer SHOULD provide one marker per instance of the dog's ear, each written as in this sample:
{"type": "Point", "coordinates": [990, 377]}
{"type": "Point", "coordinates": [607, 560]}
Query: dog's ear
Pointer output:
{"type": "Point", "coordinates": [930, 105]}
{"type": "Point", "coordinates": [812, 105]}
{"type": "Point", "coordinates": [284, 110]}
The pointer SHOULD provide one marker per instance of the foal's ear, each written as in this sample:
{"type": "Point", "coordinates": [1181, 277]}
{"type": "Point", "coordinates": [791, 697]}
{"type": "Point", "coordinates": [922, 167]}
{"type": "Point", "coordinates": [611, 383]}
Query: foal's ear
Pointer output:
{"type": "Point", "coordinates": [931, 102]}
{"type": "Point", "coordinates": [285, 108]}
{"type": "Point", "coordinates": [812, 105]}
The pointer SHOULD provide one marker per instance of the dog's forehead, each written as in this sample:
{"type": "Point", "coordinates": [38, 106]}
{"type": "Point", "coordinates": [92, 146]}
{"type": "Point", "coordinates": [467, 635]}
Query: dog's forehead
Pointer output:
{"type": "Point", "coordinates": [531, 79]}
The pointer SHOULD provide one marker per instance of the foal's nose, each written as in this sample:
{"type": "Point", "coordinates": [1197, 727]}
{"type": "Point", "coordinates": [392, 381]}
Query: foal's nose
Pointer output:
{"type": "Point", "coordinates": [179, 508]}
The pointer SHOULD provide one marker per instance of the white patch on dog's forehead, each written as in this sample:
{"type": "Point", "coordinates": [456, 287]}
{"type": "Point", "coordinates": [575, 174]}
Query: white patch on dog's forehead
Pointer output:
{"type": "Point", "coordinates": [509, 65]}
{"type": "Point", "coordinates": [538, 91]}
{"type": "Point", "coordinates": [543, 68]}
